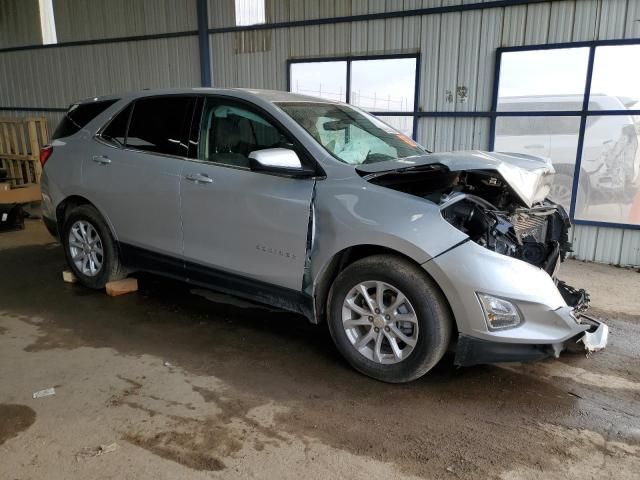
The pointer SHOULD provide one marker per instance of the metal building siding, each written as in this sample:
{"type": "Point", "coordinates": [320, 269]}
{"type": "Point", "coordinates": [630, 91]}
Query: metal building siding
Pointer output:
{"type": "Point", "coordinates": [222, 12]}
{"type": "Point", "coordinates": [82, 20]}
{"type": "Point", "coordinates": [490, 40]}
{"type": "Point", "coordinates": [411, 27]}
{"type": "Point", "coordinates": [608, 243]}
{"type": "Point", "coordinates": [56, 77]}
{"type": "Point", "coordinates": [630, 248]}
{"type": "Point", "coordinates": [537, 23]}
{"type": "Point", "coordinates": [514, 26]}
{"type": "Point", "coordinates": [430, 57]}
{"type": "Point", "coordinates": [447, 70]}
{"type": "Point", "coordinates": [19, 23]}
{"type": "Point", "coordinates": [612, 19]}
{"type": "Point", "coordinates": [632, 25]}
{"type": "Point", "coordinates": [586, 20]}
{"type": "Point", "coordinates": [224, 60]}
{"type": "Point", "coordinates": [561, 20]}
{"type": "Point", "coordinates": [468, 59]}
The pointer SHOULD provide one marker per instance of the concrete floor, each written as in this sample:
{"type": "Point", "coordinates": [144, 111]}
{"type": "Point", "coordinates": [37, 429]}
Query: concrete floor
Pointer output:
{"type": "Point", "coordinates": [199, 385]}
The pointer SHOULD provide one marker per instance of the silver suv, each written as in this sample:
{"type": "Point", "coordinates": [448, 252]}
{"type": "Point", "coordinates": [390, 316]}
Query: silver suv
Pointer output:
{"type": "Point", "coordinates": [317, 207]}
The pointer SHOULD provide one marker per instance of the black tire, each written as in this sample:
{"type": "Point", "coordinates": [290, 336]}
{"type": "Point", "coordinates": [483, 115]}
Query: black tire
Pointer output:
{"type": "Point", "coordinates": [435, 321]}
{"type": "Point", "coordinates": [111, 268]}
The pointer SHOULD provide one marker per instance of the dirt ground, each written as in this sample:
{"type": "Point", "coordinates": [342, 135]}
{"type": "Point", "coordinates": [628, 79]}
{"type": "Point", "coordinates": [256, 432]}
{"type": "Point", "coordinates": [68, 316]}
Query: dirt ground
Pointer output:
{"type": "Point", "coordinates": [172, 383]}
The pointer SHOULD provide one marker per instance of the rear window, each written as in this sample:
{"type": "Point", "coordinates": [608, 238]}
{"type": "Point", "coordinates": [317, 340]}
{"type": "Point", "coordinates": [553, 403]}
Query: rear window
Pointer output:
{"type": "Point", "coordinates": [79, 115]}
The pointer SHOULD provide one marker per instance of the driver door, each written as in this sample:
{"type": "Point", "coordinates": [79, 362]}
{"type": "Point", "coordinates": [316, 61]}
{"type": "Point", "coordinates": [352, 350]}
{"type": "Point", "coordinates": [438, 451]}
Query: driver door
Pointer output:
{"type": "Point", "coordinates": [235, 220]}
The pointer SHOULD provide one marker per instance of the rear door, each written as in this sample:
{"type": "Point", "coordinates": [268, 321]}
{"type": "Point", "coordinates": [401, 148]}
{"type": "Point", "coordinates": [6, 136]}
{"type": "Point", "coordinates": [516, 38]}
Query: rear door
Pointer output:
{"type": "Point", "coordinates": [133, 173]}
{"type": "Point", "coordinates": [236, 220]}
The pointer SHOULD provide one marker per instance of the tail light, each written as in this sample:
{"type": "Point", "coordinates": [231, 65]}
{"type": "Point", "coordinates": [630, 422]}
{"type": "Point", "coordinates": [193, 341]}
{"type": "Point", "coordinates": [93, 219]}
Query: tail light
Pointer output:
{"type": "Point", "coordinates": [45, 153]}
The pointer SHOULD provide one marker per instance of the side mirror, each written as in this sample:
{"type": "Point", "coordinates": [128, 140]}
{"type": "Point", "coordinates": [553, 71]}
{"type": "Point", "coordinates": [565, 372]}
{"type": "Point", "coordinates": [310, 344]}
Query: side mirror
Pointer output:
{"type": "Point", "coordinates": [280, 161]}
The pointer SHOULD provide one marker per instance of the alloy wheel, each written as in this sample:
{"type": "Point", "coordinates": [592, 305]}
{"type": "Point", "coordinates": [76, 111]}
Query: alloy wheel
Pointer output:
{"type": "Point", "coordinates": [380, 322]}
{"type": "Point", "coordinates": [85, 248]}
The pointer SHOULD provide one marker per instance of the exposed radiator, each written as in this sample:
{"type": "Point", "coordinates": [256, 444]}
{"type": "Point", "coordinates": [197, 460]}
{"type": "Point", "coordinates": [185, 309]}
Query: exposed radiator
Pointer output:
{"type": "Point", "coordinates": [528, 225]}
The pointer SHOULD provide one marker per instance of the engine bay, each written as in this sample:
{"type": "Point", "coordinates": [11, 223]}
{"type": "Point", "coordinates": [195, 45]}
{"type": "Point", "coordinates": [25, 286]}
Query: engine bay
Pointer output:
{"type": "Point", "coordinates": [483, 206]}
{"type": "Point", "coordinates": [538, 235]}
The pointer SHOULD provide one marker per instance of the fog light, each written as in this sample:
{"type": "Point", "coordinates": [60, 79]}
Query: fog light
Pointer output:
{"type": "Point", "coordinates": [499, 313]}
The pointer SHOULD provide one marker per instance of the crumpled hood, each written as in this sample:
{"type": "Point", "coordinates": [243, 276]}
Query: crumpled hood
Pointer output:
{"type": "Point", "coordinates": [530, 177]}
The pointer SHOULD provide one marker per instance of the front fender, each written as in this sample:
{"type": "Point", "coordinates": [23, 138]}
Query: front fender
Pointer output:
{"type": "Point", "coordinates": [352, 212]}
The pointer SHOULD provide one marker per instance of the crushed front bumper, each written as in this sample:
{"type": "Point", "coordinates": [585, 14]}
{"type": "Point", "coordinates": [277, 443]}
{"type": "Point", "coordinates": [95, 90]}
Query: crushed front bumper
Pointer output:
{"type": "Point", "coordinates": [597, 337]}
{"type": "Point", "coordinates": [473, 351]}
{"type": "Point", "coordinates": [553, 313]}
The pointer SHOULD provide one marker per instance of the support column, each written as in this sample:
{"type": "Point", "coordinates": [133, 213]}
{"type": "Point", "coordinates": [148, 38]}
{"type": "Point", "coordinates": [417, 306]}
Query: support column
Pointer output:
{"type": "Point", "coordinates": [203, 43]}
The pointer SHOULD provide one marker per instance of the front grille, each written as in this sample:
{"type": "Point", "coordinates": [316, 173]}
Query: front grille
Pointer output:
{"type": "Point", "coordinates": [530, 226]}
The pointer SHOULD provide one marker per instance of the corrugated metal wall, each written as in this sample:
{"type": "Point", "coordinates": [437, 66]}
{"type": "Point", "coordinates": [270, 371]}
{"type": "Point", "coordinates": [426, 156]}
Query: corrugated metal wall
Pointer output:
{"type": "Point", "coordinates": [19, 23]}
{"type": "Point", "coordinates": [83, 20]}
{"type": "Point", "coordinates": [54, 77]}
{"type": "Point", "coordinates": [457, 49]}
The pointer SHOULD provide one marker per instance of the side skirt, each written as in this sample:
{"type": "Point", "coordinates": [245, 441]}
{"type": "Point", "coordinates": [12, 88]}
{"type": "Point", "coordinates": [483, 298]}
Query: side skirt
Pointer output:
{"type": "Point", "coordinates": [142, 259]}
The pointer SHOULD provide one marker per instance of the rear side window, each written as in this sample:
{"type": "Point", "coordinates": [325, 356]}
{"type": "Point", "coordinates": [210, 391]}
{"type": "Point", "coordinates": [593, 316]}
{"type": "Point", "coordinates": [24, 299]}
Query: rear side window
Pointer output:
{"type": "Point", "coordinates": [79, 115]}
{"type": "Point", "coordinates": [161, 125]}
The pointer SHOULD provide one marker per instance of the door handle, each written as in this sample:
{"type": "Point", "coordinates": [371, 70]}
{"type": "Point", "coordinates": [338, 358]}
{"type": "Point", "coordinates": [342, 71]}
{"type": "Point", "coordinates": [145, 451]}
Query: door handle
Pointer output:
{"type": "Point", "coordinates": [101, 159]}
{"type": "Point", "coordinates": [535, 145]}
{"type": "Point", "coordinates": [199, 178]}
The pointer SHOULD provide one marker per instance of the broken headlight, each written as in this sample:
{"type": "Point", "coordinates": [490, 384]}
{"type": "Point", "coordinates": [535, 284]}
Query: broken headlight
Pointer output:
{"type": "Point", "coordinates": [499, 313]}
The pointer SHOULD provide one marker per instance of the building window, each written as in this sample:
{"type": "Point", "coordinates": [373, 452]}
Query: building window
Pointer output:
{"type": "Point", "coordinates": [580, 107]}
{"type": "Point", "coordinates": [47, 22]}
{"type": "Point", "coordinates": [385, 86]}
{"type": "Point", "coordinates": [250, 12]}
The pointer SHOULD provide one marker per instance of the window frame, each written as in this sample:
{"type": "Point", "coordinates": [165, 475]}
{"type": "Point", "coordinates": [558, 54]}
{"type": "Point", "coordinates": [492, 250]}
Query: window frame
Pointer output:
{"type": "Point", "coordinates": [584, 113]}
{"type": "Point", "coordinates": [349, 59]}
{"type": "Point", "coordinates": [306, 158]}
{"type": "Point", "coordinates": [132, 103]}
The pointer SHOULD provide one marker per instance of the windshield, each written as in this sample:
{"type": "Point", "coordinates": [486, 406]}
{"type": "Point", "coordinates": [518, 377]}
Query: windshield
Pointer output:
{"type": "Point", "coordinates": [351, 135]}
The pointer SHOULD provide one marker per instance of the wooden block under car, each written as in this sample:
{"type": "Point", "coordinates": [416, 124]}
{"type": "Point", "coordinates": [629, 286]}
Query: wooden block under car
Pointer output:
{"type": "Point", "coordinates": [120, 287]}
{"type": "Point", "coordinates": [69, 277]}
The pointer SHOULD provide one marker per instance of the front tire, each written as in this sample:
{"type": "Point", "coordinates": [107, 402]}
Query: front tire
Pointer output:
{"type": "Point", "coordinates": [90, 248]}
{"type": "Point", "coordinates": [389, 319]}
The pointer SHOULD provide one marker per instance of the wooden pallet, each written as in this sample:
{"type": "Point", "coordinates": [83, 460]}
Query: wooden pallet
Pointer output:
{"type": "Point", "coordinates": [20, 143]}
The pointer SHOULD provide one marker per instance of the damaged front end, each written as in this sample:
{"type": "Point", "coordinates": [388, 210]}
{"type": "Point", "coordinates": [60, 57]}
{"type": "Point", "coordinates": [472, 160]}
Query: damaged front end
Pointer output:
{"type": "Point", "coordinates": [502, 207]}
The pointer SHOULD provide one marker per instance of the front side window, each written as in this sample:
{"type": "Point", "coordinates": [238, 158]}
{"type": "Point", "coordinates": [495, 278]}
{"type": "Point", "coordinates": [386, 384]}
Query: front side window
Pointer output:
{"type": "Point", "coordinates": [229, 133]}
{"type": "Point", "coordinates": [160, 125]}
{"type": "Point", "coordinates": [350, 135]}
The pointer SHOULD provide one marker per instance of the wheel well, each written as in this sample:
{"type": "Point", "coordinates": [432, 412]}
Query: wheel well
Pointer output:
{"type": "Point", "coordinates": [66, 206]}
{"type": "Point", "coordinates": [342, 260]}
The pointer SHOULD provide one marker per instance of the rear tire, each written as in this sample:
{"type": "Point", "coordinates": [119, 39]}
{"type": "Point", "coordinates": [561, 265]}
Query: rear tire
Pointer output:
{"type": "Point", "coordinates": [90, 249]}
{"type": "Point", "coordinates": [423, 318]}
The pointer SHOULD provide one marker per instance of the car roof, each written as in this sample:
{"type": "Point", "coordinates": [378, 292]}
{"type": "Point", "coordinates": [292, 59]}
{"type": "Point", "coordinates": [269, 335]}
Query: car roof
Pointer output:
{"type": "Point", "coordinates": [270, 96]}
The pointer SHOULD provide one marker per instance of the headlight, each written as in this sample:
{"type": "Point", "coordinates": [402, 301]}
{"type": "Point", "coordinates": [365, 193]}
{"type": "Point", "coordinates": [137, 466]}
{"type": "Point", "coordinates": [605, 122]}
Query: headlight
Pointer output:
{"type": "Point", "coordinates": [499, 313]}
